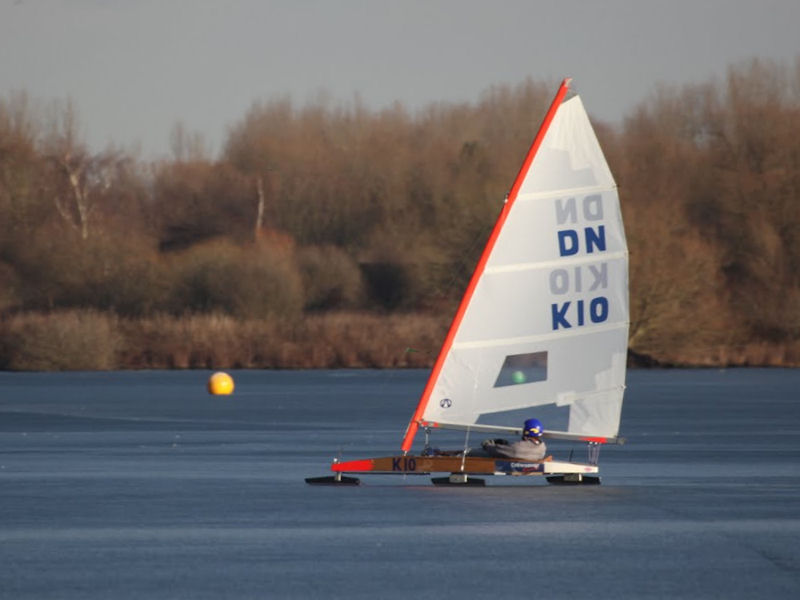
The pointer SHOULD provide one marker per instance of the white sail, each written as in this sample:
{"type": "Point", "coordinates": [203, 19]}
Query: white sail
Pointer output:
{"type": "Point", "coordinates": [544, 324]}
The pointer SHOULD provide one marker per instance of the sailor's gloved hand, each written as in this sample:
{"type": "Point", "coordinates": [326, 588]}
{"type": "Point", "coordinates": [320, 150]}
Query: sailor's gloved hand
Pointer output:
{"type": "Point", "coordinates": [494, 442]}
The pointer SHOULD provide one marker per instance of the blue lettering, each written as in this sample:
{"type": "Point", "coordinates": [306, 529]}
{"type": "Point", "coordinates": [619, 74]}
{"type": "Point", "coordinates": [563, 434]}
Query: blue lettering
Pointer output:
{"type": "Point", "coordinates": [568, 242]}
{"type": "Point", "coordinates": [597, 239]}
{"type": "Point", "coordinates": [598, 309]}
{"type": "Point", "coordinates": [597, 312]}
{"type": "Point", "coordinates": [559, 316]}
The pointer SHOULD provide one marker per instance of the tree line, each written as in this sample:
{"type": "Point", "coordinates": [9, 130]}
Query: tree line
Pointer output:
{"type": "Point", "coordinates": [325, 212]}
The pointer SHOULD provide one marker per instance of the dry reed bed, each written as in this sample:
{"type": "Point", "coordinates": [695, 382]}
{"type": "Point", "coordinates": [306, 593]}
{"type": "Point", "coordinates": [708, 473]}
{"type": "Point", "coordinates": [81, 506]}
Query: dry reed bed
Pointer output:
{"type": "Point", "coordinates": [91, 340]}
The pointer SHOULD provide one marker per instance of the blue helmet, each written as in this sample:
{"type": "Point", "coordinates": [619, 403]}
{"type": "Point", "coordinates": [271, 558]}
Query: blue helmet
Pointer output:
{"type": "Point", "coordinates": [533, 428]}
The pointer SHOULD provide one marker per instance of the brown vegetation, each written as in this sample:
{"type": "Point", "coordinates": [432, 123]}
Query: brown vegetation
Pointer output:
{"type": "Point", "coordinates": [337, 236]}
{"type": "Point", "coordinates": [710, 180]}
{"type": "Point", "coordinates": [92, 340]}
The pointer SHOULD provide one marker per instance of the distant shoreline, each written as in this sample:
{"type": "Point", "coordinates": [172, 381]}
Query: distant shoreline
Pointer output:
{"type": "Point", "coordinates": [95, 341]}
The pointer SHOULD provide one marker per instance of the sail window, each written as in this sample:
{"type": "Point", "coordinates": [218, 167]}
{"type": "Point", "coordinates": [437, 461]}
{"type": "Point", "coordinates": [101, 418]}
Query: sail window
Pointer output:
{"type": "Point", "coordinates": [518, 369]}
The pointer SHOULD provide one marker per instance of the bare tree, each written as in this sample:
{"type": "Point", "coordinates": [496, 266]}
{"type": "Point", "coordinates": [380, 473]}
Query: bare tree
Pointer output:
{"type": "Point", "coordinates": [79, 179]}
{"type": "Point", "coordinates": [260, 209]}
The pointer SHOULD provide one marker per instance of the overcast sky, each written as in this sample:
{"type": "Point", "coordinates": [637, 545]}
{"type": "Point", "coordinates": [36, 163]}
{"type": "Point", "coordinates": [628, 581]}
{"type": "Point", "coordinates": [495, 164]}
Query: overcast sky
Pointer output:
{"type": "Point", "coordinates": [136, 67]}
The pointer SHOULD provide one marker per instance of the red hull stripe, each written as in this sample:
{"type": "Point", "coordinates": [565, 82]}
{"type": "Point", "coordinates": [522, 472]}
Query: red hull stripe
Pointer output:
{"type": "Point", "coordinates": [353, 466]}
{"type": "Point", "coordinates": [413, 426]}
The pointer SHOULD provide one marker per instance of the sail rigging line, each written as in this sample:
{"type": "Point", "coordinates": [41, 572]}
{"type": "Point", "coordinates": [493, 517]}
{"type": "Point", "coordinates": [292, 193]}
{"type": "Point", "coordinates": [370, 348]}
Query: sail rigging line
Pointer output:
{"type": "Point", "coordinates": [466, 449]}
{"type": "Point", "coordinates": [413, 426]}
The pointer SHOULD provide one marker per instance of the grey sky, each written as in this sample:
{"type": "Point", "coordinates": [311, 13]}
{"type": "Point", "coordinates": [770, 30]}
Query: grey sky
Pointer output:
{"type": "Point", "coordinates": [136, 67]}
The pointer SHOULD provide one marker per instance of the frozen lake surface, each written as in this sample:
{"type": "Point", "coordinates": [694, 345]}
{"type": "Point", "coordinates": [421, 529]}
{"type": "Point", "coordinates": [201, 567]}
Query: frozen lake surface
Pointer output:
{"type": "Point", "coordinates": [141, 485]}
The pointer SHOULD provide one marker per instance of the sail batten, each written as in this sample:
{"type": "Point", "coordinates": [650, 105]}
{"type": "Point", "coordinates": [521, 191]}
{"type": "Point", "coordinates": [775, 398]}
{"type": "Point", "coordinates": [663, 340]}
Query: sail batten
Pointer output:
{"type": "Point", "coordinates": [489, 343]}
{"type": "Point", "coordinates": [578, 260]}
{"type": "Point", "coordinates": [545, 318]}
{"type": "Point", "coordinates": [566, 192]}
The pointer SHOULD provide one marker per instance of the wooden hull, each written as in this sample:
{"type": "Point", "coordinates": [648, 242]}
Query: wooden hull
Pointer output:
{"type": "Point", "coordinates": [424, 465]}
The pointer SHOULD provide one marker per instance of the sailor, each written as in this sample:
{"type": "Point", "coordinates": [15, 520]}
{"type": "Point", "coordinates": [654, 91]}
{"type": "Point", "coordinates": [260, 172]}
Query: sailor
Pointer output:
{"type": "Point", "coordinates": [530, 447]}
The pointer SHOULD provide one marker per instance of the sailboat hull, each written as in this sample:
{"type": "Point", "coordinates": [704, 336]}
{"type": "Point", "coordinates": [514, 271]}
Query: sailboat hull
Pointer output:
{"type": "Point", "coordinates": [424, 465]}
